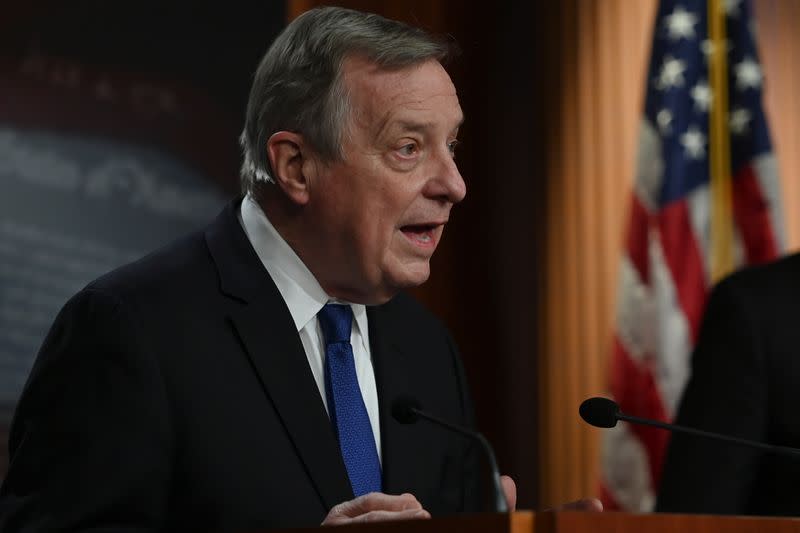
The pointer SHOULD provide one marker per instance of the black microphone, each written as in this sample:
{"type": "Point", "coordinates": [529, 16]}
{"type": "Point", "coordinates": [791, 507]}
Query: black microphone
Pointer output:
{"type": "Point", "coordinates": [604, 413]}
{"type": "Point", "coordinates": [407, 410]}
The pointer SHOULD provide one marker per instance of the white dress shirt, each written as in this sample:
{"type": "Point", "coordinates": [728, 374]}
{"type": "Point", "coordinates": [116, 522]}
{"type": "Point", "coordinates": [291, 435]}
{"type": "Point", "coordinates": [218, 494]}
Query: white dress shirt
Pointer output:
{"type": "Point", "coordinates": [305, 298]}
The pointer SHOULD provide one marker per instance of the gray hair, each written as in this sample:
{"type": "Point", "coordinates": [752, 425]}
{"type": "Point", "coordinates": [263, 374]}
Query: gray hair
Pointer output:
{"type": "Point", "coordinates": [298, 85]}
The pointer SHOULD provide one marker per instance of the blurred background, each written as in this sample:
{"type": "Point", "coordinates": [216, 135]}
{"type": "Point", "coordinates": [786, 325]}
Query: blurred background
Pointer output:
{"type": "Point", "coordinates": [118, 132]}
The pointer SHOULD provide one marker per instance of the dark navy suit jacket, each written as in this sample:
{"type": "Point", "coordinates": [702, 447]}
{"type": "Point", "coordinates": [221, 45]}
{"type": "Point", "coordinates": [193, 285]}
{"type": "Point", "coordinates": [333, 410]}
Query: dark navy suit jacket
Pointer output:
{"type": "Point", "coordinates": [745, 382]}
{"type": "Point", "coordinates": [174, 394]}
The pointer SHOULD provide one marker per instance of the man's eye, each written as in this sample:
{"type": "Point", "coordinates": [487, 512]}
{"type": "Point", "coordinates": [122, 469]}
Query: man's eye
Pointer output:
{"type": "Point", "coordinates": [409, 150]}
{"type": "Point", "coordinates": [451, 146]}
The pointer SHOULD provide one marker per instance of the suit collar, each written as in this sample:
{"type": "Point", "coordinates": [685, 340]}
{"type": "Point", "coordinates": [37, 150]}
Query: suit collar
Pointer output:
{"type": "Point", "coordinates": [241, 275]}
{"type": "Point", "coordinates": [267, 332]}
{"type": "Point", "coordinates": [301, 291]}
{"type": "Point", "coordinates": [299, 288]}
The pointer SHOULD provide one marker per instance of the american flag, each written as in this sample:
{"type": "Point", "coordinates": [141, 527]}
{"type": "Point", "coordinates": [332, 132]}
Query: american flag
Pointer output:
{"type": "Point", "coordinates": [665, 272]}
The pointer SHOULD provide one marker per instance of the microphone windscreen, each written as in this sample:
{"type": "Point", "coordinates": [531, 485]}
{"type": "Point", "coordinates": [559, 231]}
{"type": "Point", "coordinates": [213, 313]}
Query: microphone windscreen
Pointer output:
{"type": "Point", "coordinates": [599, 412]}
{"type": "Point", "coordinates": [403, 409]}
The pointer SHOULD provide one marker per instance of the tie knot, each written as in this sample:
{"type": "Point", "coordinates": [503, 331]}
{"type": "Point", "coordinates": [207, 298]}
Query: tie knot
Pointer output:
{"type": "Point", "coordinates": [336, 321]}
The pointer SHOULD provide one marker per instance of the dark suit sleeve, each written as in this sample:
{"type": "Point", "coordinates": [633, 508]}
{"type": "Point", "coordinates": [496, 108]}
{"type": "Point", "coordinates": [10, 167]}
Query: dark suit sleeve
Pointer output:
{"type": "Point", "coordinates": [90, 443]}
{"type": "Point", "coordinates": [727, 393]}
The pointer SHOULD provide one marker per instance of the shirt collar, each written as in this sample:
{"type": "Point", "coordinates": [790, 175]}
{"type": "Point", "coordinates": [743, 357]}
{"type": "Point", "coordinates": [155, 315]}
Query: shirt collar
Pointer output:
{"type": "Point", "coordinates": [299, 288]}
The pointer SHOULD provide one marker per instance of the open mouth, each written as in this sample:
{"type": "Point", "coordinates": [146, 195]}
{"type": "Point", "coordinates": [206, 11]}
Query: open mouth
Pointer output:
{"type": "Point", "coordinates": [420, 233]}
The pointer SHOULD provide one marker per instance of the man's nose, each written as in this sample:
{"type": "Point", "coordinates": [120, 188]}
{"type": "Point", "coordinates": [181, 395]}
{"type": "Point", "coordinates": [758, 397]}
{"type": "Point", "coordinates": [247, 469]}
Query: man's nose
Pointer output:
{"type": "Point", "coordinates": [446, 183]}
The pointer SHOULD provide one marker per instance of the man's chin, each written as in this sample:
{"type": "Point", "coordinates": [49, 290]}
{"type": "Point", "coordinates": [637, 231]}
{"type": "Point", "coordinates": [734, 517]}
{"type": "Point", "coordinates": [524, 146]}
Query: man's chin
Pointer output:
{"type": "Point", "coordinates": [393, 282]}
{"type": "Point", "coordinates": [411, 278]}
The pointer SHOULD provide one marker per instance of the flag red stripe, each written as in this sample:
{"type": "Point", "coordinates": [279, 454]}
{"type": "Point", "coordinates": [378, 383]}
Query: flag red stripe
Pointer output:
{"type": "Point", "coordinates": [634, 388]}
{"type": "Point", "coordinates": [752, 216]}
{"type": "Point", "coordinates": [685, 261]}
{"type": "Point", "coordinates": [637, 238]}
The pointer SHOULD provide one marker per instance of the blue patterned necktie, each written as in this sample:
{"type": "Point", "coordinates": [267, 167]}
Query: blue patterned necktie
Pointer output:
{"type": "Point", "coordinates": [345, 403]}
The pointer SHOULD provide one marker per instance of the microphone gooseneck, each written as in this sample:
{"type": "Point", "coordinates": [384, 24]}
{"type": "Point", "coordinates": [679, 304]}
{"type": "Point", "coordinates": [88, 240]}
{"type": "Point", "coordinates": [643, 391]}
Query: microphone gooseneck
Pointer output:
{"type": "Point", "coordinates": [604, 413]}
{"type": "Point", "coordinates": [408, 410]}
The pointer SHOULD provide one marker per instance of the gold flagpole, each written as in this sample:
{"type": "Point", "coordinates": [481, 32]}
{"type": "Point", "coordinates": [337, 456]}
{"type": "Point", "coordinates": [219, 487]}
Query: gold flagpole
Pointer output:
{"type": "Point", "coordinates": [719, 146]}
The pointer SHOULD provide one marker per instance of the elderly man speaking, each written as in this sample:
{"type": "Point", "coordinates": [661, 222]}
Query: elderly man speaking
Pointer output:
{"type": "Point", "coordinates": [243, 377]}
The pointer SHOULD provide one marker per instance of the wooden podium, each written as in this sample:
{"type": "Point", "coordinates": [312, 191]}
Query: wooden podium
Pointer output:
{"type": "Point", "coordinates": [576, 522]}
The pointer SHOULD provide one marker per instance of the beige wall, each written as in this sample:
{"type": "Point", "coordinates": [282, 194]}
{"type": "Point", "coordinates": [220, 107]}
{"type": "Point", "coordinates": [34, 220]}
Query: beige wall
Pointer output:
{"type": "Point", "coordinates": [779, 44]}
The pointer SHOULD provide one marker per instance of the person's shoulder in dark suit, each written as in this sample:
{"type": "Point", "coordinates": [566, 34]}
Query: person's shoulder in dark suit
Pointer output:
{"type": "Point", "coordinates": [744, 383]}
{"type": "Point", "coordinates": [91, 421]}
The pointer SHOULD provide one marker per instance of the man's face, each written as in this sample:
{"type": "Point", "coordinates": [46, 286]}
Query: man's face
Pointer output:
{"type": "Point", "coordinates": [379, 214]}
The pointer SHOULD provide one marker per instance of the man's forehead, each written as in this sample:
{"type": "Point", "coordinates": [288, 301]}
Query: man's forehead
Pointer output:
{"type": "Point", "coordinates": [378, 94]}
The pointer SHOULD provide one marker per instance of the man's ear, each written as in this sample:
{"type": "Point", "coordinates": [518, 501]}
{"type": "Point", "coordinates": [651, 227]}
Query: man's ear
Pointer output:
{"type": "Point", "coordinates": [289, 155]}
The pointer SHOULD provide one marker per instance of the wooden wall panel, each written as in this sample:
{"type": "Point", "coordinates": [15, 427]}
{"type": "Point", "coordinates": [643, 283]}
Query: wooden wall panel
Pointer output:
{"type": "Point", "coordinates": [779, 48]}
{"type": "Point", "coordinates": [603, 50]}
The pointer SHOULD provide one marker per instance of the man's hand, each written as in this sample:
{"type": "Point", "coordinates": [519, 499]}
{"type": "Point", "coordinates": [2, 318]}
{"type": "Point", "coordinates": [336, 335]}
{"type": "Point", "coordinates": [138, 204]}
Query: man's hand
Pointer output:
{"type": "Point", "coordinates": [376, 507]}
{"type": "Point", "coordinates": [591, 505]}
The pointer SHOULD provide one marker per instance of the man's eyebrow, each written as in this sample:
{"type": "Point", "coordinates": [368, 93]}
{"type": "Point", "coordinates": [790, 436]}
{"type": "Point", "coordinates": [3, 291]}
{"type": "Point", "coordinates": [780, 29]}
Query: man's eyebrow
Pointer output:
{"type": "Point", "coordinates": [417, 127]}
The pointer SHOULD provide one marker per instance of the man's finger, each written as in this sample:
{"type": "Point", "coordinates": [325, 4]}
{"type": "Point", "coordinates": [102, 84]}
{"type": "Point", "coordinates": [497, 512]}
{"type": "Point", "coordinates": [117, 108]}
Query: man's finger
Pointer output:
{"type": "Point", "coordinates": [592, 505]}
{"type": "Point", "coordinates": [384, 516]}
{"type": "Point", "coordinates": [378, 501]}
{"type": "Point", "coordinates": [510, 491]}
{"type": "Point", "coordinates": [374, 502]}
{"type": "Point", "coordinates": [377, 516]}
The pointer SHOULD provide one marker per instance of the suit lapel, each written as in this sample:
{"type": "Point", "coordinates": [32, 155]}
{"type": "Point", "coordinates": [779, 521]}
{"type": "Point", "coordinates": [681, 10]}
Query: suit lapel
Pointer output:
{"type": "Point", "coordinates": [393, 378]}
{"type": "Point", "coordinates": [268, 334]}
